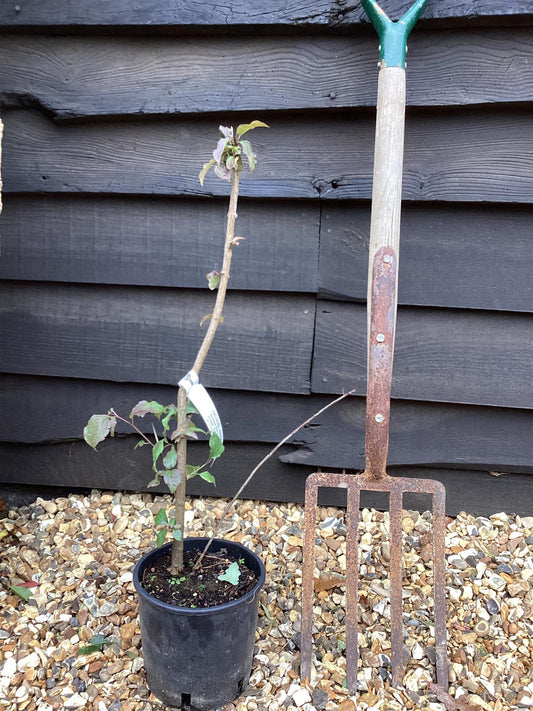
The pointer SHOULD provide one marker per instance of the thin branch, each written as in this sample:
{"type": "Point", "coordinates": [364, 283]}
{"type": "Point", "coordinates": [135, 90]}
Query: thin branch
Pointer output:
{"type": "Point", "coordinates": [132, 425]}
{"type": "Point", "coordinates": [263, 461]}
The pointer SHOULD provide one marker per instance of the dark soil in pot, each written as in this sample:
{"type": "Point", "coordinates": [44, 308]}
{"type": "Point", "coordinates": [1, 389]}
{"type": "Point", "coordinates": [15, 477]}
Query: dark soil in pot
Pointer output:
{"type": "Point", "coordinates": [200, 586]}
{"type": "Point", "coordinates": [199, 657]}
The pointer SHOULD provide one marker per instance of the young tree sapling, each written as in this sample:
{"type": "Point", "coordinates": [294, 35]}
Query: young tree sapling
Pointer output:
{"type": "Point", "coordinates": [169, 449]}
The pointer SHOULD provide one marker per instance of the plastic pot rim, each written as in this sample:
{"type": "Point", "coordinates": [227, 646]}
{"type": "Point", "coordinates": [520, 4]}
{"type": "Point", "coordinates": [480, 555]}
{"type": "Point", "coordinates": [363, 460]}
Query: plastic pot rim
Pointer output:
{"type": "Point", "coordinates": [248, 598]}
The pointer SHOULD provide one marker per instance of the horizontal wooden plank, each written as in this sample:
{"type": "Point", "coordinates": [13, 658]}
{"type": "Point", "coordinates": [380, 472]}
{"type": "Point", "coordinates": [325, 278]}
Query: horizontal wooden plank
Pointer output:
{"type": "Point", "coordinates": [116, 467]}
{"type": "Point", "coordinates": [158, 242]}
{"type": "Point", "coordinates": [421, 433]}
{"type": "Point", "coordinates": [140, 75]}
{"type": "Point", "coordinates": [461, 156]}
{"type": "Point", "coordinates": [426, 434]}
{"type": "Point", "coordinates": [291, 13]}
{"type": "Point", "coordinates": [152, 335]}
{"type": "Point", "coordinates": [470, 357]}
{"type": "Point", "coordinates": [462, 257]}
{"type": "Point", "coordinates": [66, 404]}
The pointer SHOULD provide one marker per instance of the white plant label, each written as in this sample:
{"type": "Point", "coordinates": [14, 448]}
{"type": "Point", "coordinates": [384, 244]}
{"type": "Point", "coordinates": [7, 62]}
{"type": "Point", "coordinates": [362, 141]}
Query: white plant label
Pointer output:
{"type": "Point", "coordinates": [201, 400]}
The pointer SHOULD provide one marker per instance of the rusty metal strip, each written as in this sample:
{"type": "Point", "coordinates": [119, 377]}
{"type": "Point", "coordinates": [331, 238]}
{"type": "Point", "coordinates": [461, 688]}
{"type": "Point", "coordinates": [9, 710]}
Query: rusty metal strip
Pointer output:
{"type": "Point", "coordinates": [439, 583]}
{"type": "Point", "coordinates": [308, 565]}
{"type": "Point", "coordinates": [380, 357]}
{"type": "Point", "coordinates": [352, 584]}
{"type": "Point", "coordinates": [396, 570]}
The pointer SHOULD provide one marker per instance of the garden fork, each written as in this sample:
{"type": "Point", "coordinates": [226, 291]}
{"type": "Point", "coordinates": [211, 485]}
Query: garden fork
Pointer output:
{"type": "Point", "coordinates": [381, 321]}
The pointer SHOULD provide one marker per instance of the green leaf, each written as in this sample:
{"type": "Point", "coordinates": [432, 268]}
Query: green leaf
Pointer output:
{"type": "Point", "coordinates": [171, 412]}
{"type": "Point", "coordinates": [245, 127]}
{"type": "Point", "coordinates": [205, 170]}
{"type": "Point", "coordinates": [99, 640]}
{"type": "Point", "coordinates": [191, 410]}
{"type": "Point", "coordinates": [172, 479]}
{"type": "Point", "coordinates": [97, 429]}
{"type": "Point", "coordinates": [206, 476]}
{"type": "Point", "coordinates": [21, 591]}
{"type": "Point", "coordinates": [143, 407]}
{"type": "Point", "coordinates": [89, 649]}
{"type": "Point", "coordinates": [216, 448]}
{"type": "Point", "coordinates": [161, 518]}
{"type": "Point", "coordinates": [154, 482]}
{"type": "Point", "coordinates": [250, 155]}
{"type": "Point", "coordinates": [213, 279]}
{"type": "Point", "coordinates": [160, 538]}
{"type": "Point", "coordinates": [140, 443]}
{"type": "Point", "coordinates": [232, 574]}
{"type": "Point", "coordinates": [170, 458]}
{"type": "Point", "coordinates": [192, 471]}
{"type": "Point", "coordinates": [176, 534]}
{"type": "Point", "coordinates": [157, 450]}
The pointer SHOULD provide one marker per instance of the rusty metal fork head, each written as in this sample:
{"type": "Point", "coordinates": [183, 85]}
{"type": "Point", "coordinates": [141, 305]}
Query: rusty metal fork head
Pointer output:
{"type": "Point", "coordinates": [396, 487]}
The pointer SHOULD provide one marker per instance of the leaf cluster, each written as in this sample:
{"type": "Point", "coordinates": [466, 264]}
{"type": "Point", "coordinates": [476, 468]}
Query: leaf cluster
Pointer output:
{"type": "Point", "coordinates": [228, 155]}
{"type": "Point", "coordinates": [164, 451]}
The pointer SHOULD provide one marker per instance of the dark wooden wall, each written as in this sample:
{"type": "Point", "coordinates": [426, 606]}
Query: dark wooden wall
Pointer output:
{"type": "Point", "coordinates": [111, 109]}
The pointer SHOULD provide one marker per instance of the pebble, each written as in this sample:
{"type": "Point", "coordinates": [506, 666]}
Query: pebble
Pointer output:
{"type": "Point", "coordinates": [81, 550]}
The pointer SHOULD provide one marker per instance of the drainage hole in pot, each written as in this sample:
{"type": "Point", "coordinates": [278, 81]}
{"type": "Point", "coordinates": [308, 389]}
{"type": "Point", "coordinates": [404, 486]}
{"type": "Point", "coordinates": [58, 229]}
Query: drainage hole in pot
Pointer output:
{"type": "Point", "coordinates": [240, 686]}
{"type": "Point", "coordinates": [185, 701]}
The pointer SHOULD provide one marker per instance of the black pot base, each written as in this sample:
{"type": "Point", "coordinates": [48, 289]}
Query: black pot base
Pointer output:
{"type": "Point", "coordinates": [198, 658]}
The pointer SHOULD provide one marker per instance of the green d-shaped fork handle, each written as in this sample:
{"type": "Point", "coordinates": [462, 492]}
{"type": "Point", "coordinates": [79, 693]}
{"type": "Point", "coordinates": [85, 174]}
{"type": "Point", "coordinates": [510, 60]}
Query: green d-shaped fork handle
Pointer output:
{"type": "Point", "coordinates": [392, 35]}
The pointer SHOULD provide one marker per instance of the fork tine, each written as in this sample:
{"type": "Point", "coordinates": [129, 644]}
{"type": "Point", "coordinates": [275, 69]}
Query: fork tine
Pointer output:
{"type": "Point", "coordinates": [439, 583]}
{"type": "Point", "coordinates": [396, 569]}
{"type": "Point", "coordinates": [352, 584]}
{"type": "Point", "coordinates": [306, 634]}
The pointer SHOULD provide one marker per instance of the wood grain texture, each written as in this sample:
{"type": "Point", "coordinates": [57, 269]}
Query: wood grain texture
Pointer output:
{"type": "Point", "coordinates": [158, 242]}
{"type": "Point", "coordinates": [291, 13]}
{"type": "Point", "coordinates": [151, 335]}
{"type": "Point", "coordinates": [465, 256]}
{"type": "Point", "coordinates": [481, 358]}
{"type": "Point", "coordinates": [98, 76]}
{"type": "Point", "coordinates": [421, 433]}
{"type": "Point", "coordinates": [458, 156]}
{"type": "Point", "coordinates": [66, 404]}
{"type": "Point", "coordinates": [116, 466]}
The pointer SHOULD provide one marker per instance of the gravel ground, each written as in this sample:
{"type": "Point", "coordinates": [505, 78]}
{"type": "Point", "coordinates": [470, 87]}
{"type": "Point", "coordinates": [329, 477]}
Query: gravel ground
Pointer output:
{"type": "Point", "coordinates": [77, 554]}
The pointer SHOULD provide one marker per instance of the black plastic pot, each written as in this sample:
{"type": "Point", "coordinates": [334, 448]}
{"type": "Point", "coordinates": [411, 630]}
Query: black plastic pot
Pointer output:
{"type": "Point", "coordinates": [199, 658]}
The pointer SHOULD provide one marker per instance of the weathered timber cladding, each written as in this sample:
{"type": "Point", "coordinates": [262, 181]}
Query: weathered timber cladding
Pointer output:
{"type": "Point", "coordinates": [139, 75]}
{"type": "Point", "coordinates": [459, 256]}
{"type": "Point", "coordinates": [120, 240]}
{"type": "Point", "coordinates": [315, 13]}
{"type": "Point", "coordinates": [441, 355]}
{"type": "Point", "coordinates": [152, 335]}
{"type": "Point", "coordinates": [421, 433]}
{"type": "Point", "coordinates": [110, 111]}
{"type": "Point", "coordinates": [116, 465]}
{"type": "Point", "coordinates": [462, 155]}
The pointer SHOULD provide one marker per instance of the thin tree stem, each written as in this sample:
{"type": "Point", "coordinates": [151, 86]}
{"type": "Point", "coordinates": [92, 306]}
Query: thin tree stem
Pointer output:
{"type": "Point", "coordinates": [215, 320]}
{"type": "Point", "coordinates": [216, 316]}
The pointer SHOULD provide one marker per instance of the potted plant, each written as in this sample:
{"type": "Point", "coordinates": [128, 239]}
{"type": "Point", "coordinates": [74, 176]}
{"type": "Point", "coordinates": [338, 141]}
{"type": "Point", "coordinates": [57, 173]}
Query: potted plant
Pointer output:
{"type": "Point", "coordinates": [197, 608]}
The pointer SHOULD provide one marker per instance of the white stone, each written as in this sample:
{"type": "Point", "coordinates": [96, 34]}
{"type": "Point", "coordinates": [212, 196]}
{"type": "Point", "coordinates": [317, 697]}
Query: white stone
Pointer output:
{"type": "Point", "coordinates": [9, 668]}
{"type": "Point", "coordinates": [29, 662]}
{"type": "Point", "coordinates": [418, 652]}
{"type": "Point", "coordinates": [301, 697]}
{"type": "Point", "coordinates": [76, 701]}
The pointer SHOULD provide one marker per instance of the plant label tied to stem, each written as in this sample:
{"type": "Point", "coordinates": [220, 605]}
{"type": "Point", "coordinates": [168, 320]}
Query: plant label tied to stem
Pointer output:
{"type": "Point", "coordinates": [202, 401]}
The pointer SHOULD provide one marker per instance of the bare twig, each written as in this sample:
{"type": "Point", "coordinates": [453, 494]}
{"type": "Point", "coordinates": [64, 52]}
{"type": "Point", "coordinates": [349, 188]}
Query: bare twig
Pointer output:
{"type": "Point", "coordinates": [263, 461]}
